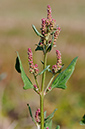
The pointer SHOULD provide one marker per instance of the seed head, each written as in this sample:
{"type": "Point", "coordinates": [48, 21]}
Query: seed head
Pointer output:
{"type": "Point", "coordinates": [32, 68]}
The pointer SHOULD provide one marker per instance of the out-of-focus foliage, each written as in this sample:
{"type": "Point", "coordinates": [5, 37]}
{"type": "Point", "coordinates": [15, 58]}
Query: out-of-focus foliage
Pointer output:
{"type": "Point", "coordinates": [82, 122]}
{"type": "Point", "coordinates": [16, 34]}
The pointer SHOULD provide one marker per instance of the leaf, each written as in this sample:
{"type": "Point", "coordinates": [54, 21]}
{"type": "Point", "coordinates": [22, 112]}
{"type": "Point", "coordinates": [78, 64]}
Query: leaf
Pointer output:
{"type": "Point", "coordinates": [51, 45]}
{"type": "Point", "coordinates": [39, 47]}
{"type": "Point", "coordinates": [31, 113]}
{"type": "Point", "coordinates": [36, 31]}
{"type": "Point", "coordinates": [62, 78]}
{"type": "Point", "coordinates": [49, 70]}
{"type": "Point", "coordinates": [17, 65]}
{"type": "Point", "coordinates": [82, 122]}
{"type": "Point", "coordinates": [53, 32]}
{"type": "Point", "coordinates": [58, 127]}
{"type": "Point", "coordinates": [45, 114]}
{"type": "Point", "coordinates": [42, 62]}
{"type": "Point", "coordinates": [48, 124]}
{"type": "Point", "coordinates": [19, 68]}
{"type": "Point", "coordinates": [47, 67]}
{"type": "Point", "coordinates": [49, 117]}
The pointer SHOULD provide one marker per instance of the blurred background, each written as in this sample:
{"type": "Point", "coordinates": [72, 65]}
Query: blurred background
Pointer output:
{"type": "Point", "coordinates": [16, 34]}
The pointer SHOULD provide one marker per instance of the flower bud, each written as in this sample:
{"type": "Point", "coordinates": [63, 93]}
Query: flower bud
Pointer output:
{"type": "Point", "coordinates": [33, 68]}
{"type": "Point", "coordinates": [37, 115]}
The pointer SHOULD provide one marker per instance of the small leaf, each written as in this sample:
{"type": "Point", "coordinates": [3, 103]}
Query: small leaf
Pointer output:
{"type": "Point", "coordinates": [19, 68]}
{"type": "Point", "coordinates": [31, 113]}
{"type": "Point", "coordinates": [62, 78]}
{"type": "Point", "coordinates": [50, 71]}
{"type": "Point", "coordinates": [51, 45]}
{"type": "Point", "coordinates": [42, 62]}
{"type": "Point", "coordinates": [36, 31]}
{"type": "Point", "coordinates": [47, 67]}
{"type": "Point", "coordinates": [45, 114]}
{"type": "Point", "coordinates": [39, 47]}
{"type": "Point", "coordinates": [48, 124]}
{"type": "Point", "coordinates": [50, 116]}
{"type": "Point", "coordinates": [53, 32]}
{"type": "Point", "coordinates": [17, 65]}
{"type": "Point", "coordinates": [58, 127]}
{"type": "Point", "coordinates": [82, 122]}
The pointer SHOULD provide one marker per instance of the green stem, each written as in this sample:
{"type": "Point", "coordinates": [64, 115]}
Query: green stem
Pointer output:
{"type": "Point", "coordinates": [49, 83]}
{"type": "Point", "coordinates": [42, 111]}
{"type": "Point", "coordinates": [42, 93]}
{"type": "Point", "coordinates": [36, 82]}
{"type": "Point", "coordinates": [43, 76]}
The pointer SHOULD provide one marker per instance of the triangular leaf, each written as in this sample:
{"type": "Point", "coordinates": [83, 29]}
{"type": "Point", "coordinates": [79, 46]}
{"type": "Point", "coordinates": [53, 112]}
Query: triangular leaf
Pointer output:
{"type": "Point", "coordinates": [62, 78]}
{"type": "Point", "coordinates": [82, 122]}
{"type": "Point", "coordinates": [19, 68]}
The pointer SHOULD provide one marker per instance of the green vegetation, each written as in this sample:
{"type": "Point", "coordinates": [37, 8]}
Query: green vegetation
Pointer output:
{"type": "Point", "coordinates": [16, 18]}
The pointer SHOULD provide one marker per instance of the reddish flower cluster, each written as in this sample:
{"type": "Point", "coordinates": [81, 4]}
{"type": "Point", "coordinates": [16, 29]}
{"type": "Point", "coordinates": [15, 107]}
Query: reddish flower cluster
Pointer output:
{"type": "Point", "coordinates": [35, 86]}
{"type": "Point", "coordinates": [47, 27]}
{"type": "Point", "coordinates": [47, 23]}
{"type": "Point", "coordinates": [37, 115]}
{"type": "Point", "coordinates": [33, 68]}
{"type": "Point", "coordinates": [58, 65]}
{"type": "Point", "coordinates": [59, 61]}
{"type": "Point", "coordinates": [49, 13]}
{"type": "Point", "coordinates": [47, 128]}
{"type": "Point", "coordinates": [43, 26]}
{"type": "Point", "coordinates": [56, 34]}
{"type": "Point", "coordinates": [48, 89]}
{"type": "Point", "coordinates": [36, 89]}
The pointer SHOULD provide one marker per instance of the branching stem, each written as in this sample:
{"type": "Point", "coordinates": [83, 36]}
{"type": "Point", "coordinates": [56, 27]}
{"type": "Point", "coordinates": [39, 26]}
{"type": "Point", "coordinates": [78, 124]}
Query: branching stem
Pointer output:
{"type": "Point", "coordinates": [42, 93]}
{"type": "Point", "coordinates": [49, 83]}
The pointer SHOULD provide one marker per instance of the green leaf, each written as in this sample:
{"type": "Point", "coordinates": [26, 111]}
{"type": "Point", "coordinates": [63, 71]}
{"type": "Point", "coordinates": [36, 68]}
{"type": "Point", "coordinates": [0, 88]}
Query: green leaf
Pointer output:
{"type": "Point", "coordinates": [62, 78]}
{"type": "Point", "coordinates": [19, 68]}
{"type": "Point", "coordinates": [51, 45]}
{"type": "Point", "coordinates": [42, 62]}
{"type": "Point", "coordinates": [58, 127]}
{"type": "Point", "coordinates": [47, 67]}
{"type": "Point", "coordinates": [31, 113]}
{"type": "Point", "coordinates": [45, 114]}
{"type": "Point", "coordinates": [48, 124]}
{"type": "Point", "coordinates": [82, 122]}
{"type": "Point", "coordinates": [39, 47]}
{"type": "Point", "coordinates": [48, 118]}
{"type": "Point", "coordinates": [17, 65]}
{"type": "Point", "coordinates": [36, 31]}
{"type": "Point", "coordinates": [53, 31]}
